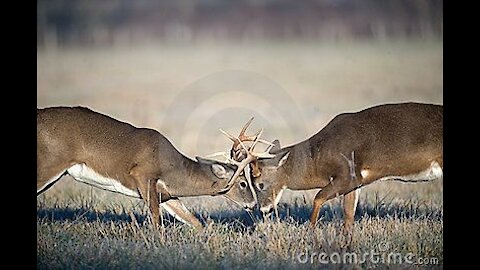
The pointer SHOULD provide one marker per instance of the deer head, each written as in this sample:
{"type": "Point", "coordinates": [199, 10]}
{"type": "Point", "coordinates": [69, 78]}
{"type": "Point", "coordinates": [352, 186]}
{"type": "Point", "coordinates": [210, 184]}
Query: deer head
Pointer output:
{"type": "Point", "coordinates": [271, 180]}
{"type": "Point", "coordinates": [243, 155]}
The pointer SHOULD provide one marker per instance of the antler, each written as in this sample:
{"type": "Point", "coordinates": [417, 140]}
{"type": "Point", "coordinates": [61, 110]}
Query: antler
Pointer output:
{"type": "Point", "coordinates": [236, 152]}
{"type": "Point", "coordinates": [225, 155]}
{"type": "Point", "coordinates": [242, 155]}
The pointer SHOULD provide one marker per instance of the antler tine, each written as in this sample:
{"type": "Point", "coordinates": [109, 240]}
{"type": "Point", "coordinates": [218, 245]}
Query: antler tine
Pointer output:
{"type": "Point", "coordinates": [225, 155]}
{"type": "Point", "coordinates": [229, 136]}
{"type": "Point", "coordinates": [244, 128]}
{"type": "Point", "coordinates": [269, 148]}
{"type": "Point", "coordinates": [241, 166]}
{"type": "Point", "coordinates": [257, 137]}
{"type": "Point", "coordinates": [251, 156]}
{"type": "Point", "coordinates": [262, 155]}
{"type": "Point", "coordinates": [266, 142]}
{"type": "Point", "coordinates": [243, 146]}
{"type": "Point", "coordinates": [241, 137]}
{"type": "Point", "coordinates": [216, 154]}
{"type": "Point", "coordinates": [258, 133]}
{"type": "Point", "coordinates": [231, 161]}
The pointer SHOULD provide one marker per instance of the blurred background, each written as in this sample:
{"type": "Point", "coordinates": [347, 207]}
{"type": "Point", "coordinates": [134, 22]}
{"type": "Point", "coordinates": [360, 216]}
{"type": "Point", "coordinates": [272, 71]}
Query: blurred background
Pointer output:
{"type": "Point", "coordinates": [188, 68]}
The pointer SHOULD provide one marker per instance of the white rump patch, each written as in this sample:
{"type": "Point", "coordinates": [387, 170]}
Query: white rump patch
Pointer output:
{"type": "Point", "coordinates": [55, 178]}
{"type": "Point", "coordinates": [84, 174]}
{"type": "Point", "coordinates": [432, 173]}
{"type": "Point", "coordinates": [364, 173]}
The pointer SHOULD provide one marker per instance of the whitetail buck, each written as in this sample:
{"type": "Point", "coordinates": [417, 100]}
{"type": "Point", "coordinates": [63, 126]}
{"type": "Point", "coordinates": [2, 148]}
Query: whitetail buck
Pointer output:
{"type": "Point", "coordinates": [139, 162]}
{"type": "Point", "coordinates": [388, 142]}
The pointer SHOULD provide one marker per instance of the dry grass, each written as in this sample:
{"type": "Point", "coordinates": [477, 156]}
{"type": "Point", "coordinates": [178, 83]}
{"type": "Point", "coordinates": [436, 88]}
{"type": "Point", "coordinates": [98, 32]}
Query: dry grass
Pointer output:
{"type": "Point", "coordinates": [293, 90]}
{"type": "Point", "coordinates": [97, 229]}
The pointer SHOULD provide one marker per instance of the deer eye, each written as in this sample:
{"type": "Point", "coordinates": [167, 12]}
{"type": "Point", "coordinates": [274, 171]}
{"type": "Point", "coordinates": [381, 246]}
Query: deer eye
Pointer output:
{"type": "Point", "coordinates": [243, 185]}
{"type": "Point", "coordinates": [260, 186]}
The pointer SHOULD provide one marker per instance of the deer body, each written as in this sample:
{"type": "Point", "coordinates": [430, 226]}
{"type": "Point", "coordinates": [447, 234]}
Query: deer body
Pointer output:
{"type": "Point", "coordinates": [387, 142]}
{"type": "Point", "coordinates": [112, 155]}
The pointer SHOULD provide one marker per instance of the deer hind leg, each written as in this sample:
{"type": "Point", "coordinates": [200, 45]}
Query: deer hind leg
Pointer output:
{"type": "Point", "coordinates": [338, 186]}
{"type": "Point", "coordinates": [49, 171]}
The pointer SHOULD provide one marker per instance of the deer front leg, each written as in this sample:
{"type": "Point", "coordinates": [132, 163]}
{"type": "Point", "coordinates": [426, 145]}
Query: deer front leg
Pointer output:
{"type": "Point", "coordinates": [147, 187]}
{"type": "Point", "coordinates": [350, 201]}
{"type": "Point", "coordinates": [178, 210]}
{"type": "Point", "coordinates": [175, 207]}
{"type": "Point", "coordinates": [149, 194]}
{"type": "Point", "coordinates": [339, 186]}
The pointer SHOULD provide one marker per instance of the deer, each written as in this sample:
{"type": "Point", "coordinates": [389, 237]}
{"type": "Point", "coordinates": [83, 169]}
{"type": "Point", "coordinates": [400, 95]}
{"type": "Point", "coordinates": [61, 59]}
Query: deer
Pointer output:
{"type": "Point", "coordinates": [400, 142]}
{"type": "Point", "coordinates": [116, 156]}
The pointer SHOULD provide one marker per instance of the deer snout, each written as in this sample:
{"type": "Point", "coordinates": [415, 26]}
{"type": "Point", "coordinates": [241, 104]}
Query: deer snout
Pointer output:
{"type": "Point", "coordinates": [267, 209]}
{"type": "Point", "coordinates": [250, 206]}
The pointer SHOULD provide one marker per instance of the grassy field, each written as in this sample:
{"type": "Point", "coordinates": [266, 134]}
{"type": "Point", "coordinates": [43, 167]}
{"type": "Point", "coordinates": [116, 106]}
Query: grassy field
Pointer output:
{"type": "Point", "coordinates": [187, 93]}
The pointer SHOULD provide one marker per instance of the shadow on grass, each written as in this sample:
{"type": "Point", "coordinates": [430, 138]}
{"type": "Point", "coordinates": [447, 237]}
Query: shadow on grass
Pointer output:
{"type": "Point", "coordinates": [300, 213]}
{"type": "Point", "coordinates": [85, 215]}
{"type": "Point", "coordinates": [239, 219]}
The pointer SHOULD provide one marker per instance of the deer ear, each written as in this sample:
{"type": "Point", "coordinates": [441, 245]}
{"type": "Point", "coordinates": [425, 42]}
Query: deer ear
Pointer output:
{"type": "Point", "coordinates": [219, 171]}
{"type": "Point", "coordinates": [276, 147]}
{"type": "Point", "coordinates": [283, 158]}
{"type": "Point", "coordinates": [275, 162]}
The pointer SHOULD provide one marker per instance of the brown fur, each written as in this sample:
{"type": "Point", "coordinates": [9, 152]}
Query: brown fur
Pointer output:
{"type": "Point", "coordinates": [136, 157]}
{"type": "Point", "coordinates": [388, 140]}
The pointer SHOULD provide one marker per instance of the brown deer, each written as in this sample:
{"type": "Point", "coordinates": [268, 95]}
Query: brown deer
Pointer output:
{"type": "Point", "coordinates": [401, 142]}
{"type": "Point", "coordinates": [139, 162]}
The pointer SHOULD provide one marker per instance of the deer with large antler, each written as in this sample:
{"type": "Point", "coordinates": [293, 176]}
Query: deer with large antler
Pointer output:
{"type": "Point", "coordinates": [402, 142]}
{"type": "Point", "coordinates": [139, 162]}
{"type": "Point", "coordinates": [242, 155]}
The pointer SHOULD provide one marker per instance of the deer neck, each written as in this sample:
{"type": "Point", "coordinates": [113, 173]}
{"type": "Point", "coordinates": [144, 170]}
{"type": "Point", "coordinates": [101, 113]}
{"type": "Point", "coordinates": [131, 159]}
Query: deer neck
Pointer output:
{"type": "Point", "coordinates": [300, 170]}
{"type": "Point", "coordinates": [188, 178]}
